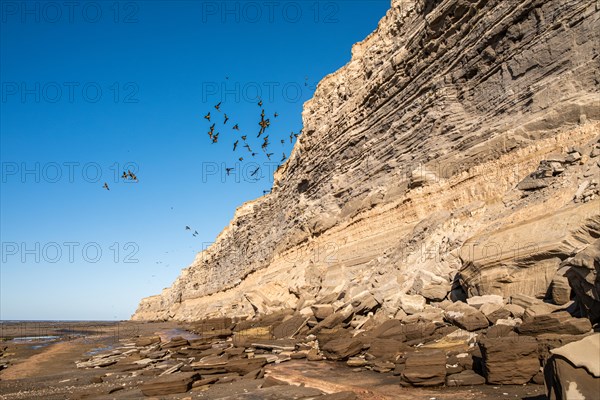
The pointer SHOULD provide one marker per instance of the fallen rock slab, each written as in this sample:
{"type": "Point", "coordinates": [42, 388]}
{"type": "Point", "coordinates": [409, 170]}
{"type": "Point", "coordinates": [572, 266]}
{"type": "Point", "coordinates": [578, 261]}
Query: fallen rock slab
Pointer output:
{"type": "Point", "coordinates": [170, 384]}
{"type": "Point", "coordinates": [508, 360]}
{"type": "Point", "coordinates": [558, 322]}
{"type": "Point", "coordinates": [465, 378]}
{"type": "Point", "coordinates": [424, 369]}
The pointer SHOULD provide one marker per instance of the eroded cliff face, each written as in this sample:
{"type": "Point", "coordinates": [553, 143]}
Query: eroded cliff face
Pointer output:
{"type": "Point", "coordinates": [412, 175]}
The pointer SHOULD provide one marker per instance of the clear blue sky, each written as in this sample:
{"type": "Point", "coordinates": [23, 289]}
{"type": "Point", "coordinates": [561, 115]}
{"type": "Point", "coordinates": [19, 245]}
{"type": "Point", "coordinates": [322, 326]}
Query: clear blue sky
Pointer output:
{"type": "Point", "coordinates": [90, 90]}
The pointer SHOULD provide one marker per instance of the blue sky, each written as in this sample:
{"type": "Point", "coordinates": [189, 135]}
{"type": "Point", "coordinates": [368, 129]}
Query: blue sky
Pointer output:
{"type": "Point", "coordinates": [93, 89]}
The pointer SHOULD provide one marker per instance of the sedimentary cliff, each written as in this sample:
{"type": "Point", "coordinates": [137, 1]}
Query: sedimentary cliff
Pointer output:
{"type": "Point", "coordinates": [456, 154]}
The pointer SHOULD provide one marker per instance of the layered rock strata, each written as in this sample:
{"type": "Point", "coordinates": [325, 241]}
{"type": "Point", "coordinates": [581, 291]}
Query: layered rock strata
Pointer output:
{"type": "Point", "coordinates": [455, 155]}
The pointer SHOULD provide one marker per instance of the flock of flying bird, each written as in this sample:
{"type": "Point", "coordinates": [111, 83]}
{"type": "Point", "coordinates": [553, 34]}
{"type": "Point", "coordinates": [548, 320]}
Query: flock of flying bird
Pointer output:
{"type": "Point", "coordinates": [126, 175]}
{"type": "Point", "coordinates": [264, 124]}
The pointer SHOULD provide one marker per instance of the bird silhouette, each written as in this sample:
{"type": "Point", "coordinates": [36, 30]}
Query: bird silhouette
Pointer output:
{"type": "Point", "coordinates": [235, 145]}
{"type": "Point", "coordinates": [254, 154]}
{"type": "Point", "coordinates": [207, 116]}
{"type": "Point", "coordinates": [241, 158]}
{"type": "Point", "coordinates": [248, 147]}
{"type": "Point", "coordinates": [228, 170]}
{"type": "Point", "coordinates": [262, 114]}
{"type": "Point", "coordinates": [266, 191]}
{"type": "Point", "coordinates": [265, 123]}
{"type": "Point", "coordinates": [244, 138]}
{"type": "Point", "coordinates": [218, 106]}
{"type": "Point", "coordinates": [283, 158]}
{"type": "Point", "coordinates": [187, 228]}
{"type": "Point", "coordinates": [255, 171]}
{"type": "Point", "coordinates": [269, 155]}
{"type": "Point", "coordinates": [215, 138]}
{"type": "Point", "coordinates": [236, 127]}
{"type": "Point", "coordinates": [260, 103]}
{"type": "Point", "coordinates": [291, 137]}
{"type": "Point", "coordinates": [124, 176]}
{"type": "Point", "coordinates": [212, 127]}
{"type": "Point", "coordinates": [276, 115]}
{"type": "Point", "coordinates": [105, 186]}
{"type": "Point", "coordinates": [282, 142]}
{"type": "Point", "coordinates": [226, 119]}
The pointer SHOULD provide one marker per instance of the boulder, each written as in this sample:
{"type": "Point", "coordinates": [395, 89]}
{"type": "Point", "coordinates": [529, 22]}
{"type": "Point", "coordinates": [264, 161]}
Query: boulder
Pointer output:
{"type": "Point", "coordinates": [412, 303]}
{"type": "Point", "coordinates": [583, 273]}
{"type": "Point", "coordinates": [509, 360]}
{"type": "Point", "coordinates": [516, 311]}
{"type": "Point", "coordinates": [386, 349]}
{"type": "Point", "coordinates": [322, 311]}
{"type": "Point", "coordinates": [341, 349]}
{"type": "Point", "coordinates": [558, 322]}
{"type": "Point", "coordinates": [494, 312]}
{"type": "Point", "coordinates": [170, 384]}
{"type": "Point", "coordinates": [573, 371]}
{"type": "Point", "coordinates": [478, 301]}
{"type": "Point", "coordinates": [560, 290]}
{"type": "Point", "coordinates": [337, 318]}
{"type": "Point", "coordinates": [524, 301]}
{"type": "Point", "coordinates": [466, 317]}
{"type": "Point", "coordinates": [426, 368]}
{"type": "Point", "coordinates": [147, 341]}
{"type": "Point", "coordinates": [465, 378]}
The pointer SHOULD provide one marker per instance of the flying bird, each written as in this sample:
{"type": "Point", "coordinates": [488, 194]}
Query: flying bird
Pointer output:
{"type": "Point", "coordinates": [235, 145]}
{"type": "Point", "coordinates": [260, 103]}
{"type": "Point", "coordinates": [236, 127]}
{"type": "Point", "coordinates": [265, 123]}
{"type": "Point", "coordinates": [282, 142]}
{"type": "Point", "coordinates": [241, 158]}
{"type": "Point", "coordinates": [207, 116]}
{"type": "Point", "coordinates": [276, 115]}
{"type": "Point", "coordinates": [266, 191]}
{"type": "Point", "coordinates": [226, 119]}
{"type": "Point", "coordinates": [105, 186]}
{"type": "Point", "coordinates": [244, 138]}
{"type": "Point", "coordinates": [283, 158]}
{"type": "Point", "coordinates": [187, 228]}
{"type": "Point", "coordinates": [255, 171]}
{"type": "Point", "coordinates": [248, 147]}
{"type": "Point", "coordinates": [215, 138]}
{"type": "Point", "coordinates": [124, 176]}
{"type": "Point", "coordinates": [269, 155]}
{"type": "Point", "coordinates": [229, 170]}
{"type": "Point", "coordinates": [218, 106]}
